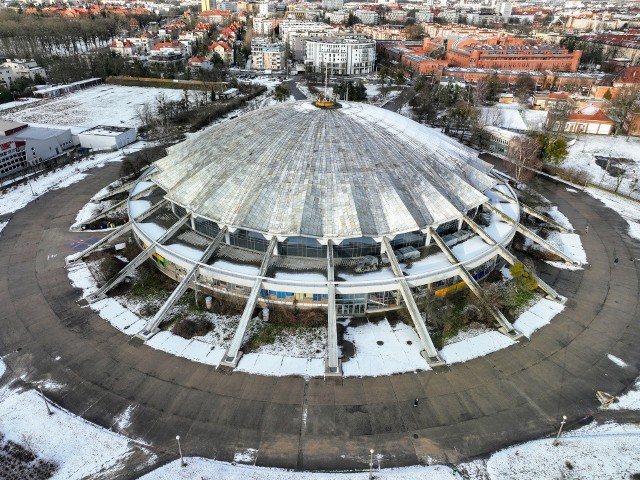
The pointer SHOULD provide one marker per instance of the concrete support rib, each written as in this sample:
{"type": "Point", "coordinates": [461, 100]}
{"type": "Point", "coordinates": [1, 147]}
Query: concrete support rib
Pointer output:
{"type": "Point", "coordinates": [121, 230]}
{"type": "Point", "coordinates": [332, 363]}
{"type": "Point", "coordinates": [107, 211]}
{"type": "Point", "coordinates": [505, 325]}
{"type": "Point", "coordinates": [534, 213]}
{"type": "Point", "coordinates": [147, 213]}
{"type": "Point", "coordinates": [529, 234]}
{"type": "Point", "coordinates": [233, 353]}
{"type": "Point", "coordinates": [136, 262]}
{"type": "Point", "coordinates": [509, 257]}
{"type": "Point", "coordinates": [151, 327]}
{"type": "Point", "coordinates": [125, 187]}
{"type": "Point", "coordinates": [430, 353]}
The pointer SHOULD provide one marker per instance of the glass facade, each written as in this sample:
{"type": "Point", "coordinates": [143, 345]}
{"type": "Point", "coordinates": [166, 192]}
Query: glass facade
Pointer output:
{"type": "Point", "coordinates": [250, 240]}
{"type": "Point", "coordinates": [356, 247]}
{"type": "Point", "coordinates": [447, 228]}
{"type": "Point", "coordinates": [302, 247]}
{"type": "Point", "coordinates": [207, 227]}
{"type": "Point", "coordinates": [413, 239]}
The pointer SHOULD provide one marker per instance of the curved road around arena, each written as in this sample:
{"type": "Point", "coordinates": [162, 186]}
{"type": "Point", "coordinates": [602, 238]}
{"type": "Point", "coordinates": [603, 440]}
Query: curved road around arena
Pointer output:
{"type": "Point", "coordinates": [465, 410]}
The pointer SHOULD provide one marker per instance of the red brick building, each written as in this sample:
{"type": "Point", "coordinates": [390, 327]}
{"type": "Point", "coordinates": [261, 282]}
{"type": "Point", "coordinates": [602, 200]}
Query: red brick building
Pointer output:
{"type": "Point", "coordinates": [471, 54]}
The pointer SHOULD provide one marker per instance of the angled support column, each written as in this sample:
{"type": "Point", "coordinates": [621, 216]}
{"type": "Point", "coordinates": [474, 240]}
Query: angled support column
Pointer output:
{"type": "Point", "coordinates": [533, 213]}
{"type": "Point", "coordinates": [118, 231]}
{"type": "Point", "coordinates": [509, 257]}
{"type": "Point", "coordinates": [505, 325]}
{"type": "Point", "coordinates": [233, 353]}
{"type": "Point", "coordinates": [333, 366]}
{"type": "Point", "coordinates": [125, 187]}
{"type": "Point", "coordinates": [136, 262]}
{"type": "Point", "coordinates": [151, 328]}
{"type": "Point", "coordinates": [529, 234]}
{"type": "Point", "coordinates": [430, 353]}
{"type": "Point", "coordinates": [154, 208]}
{"type": "Point", "coordinates": [144, 192]}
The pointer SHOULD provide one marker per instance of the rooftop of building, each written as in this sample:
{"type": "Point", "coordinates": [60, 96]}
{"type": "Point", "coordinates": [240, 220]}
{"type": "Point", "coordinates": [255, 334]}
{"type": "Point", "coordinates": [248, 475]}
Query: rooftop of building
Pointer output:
{"type": "Point", "coordinates": [297, 170]}
{"type": "Point", "coordinates": [107, 130]}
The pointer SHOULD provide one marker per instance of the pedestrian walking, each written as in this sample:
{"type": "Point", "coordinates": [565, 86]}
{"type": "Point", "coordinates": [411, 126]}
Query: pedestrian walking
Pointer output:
{"type": "Point", "coordinates": [586, 229]}
{"type": "Point", "coordinates": [615, 261]}
{"type": "Point", "coordinates": [415, 403]}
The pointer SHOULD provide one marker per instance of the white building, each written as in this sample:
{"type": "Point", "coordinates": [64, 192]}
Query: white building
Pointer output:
{"type": "Point", "coordinates": [368, 17]}
{"type": "Point", "coordinates": [289, 27]}
{"type": "Point", "coordinates": [424, 16]}
{"type": "Point", "coordinates": [504, 8]}
{"type": "Point", "coordinates": [342, 56]}
{"type": "Point", "coordinates": [267, 56]}
{"type": "Point", "coordinates": [339, 16]}
{"type": "Point", "coordinates": [265, 8]}
{"type": "Point", "coordinates": [263, 26]}
{"type": "Point", "coordinates": [332, 4]}
{"type": "Point", "coordinates": [123, 47]}
{"type": "Point", "coordinates": [13, 69]}
{"type": "Point", "coordinates": [22, 146]}
{"type": "Point", "coordinates": [106, 137]}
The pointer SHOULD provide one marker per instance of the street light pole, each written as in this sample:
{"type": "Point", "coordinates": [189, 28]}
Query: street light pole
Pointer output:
{"type": "Point", "coordinates": [182, 464]}
{"type": "Point", "coordinates": [556, 442]}
{"type": "Point", "coordinates": [45, 400]}
{"type": "Point", "coordinates": [371, 464]}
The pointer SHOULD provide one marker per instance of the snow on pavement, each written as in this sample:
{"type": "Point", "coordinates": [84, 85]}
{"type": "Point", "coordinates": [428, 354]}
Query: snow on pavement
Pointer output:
{"type": "Point", "coordinates": [628, 209]}
{"type": "Point", "coordinates": [630, 400]}
{"type": "Point", "coordinates": [474, 347]}
{"type": "Point", "coordinates": [20, 196]}
{"type": "Point", "coordinates": [536, 317]}
{"type": "Point", "coordinates": [617, 361]}
{"type": "Point", "coordinates": [203, 468]}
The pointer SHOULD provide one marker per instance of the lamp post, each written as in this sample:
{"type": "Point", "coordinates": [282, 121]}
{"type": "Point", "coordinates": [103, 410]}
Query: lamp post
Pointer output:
{"type": "Point", "coordinates": [371, 464]}
{"type": "Point", "coordinates": [45, 400]}
{"type": "Point", "coordinates": [556, 442]}
{"type": "Point", "coordinates": [182, 464]}
{"type": "Point", "coordinates": [31, 187]}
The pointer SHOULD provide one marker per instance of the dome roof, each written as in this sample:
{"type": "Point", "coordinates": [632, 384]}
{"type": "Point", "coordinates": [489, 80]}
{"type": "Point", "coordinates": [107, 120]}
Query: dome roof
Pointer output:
{"type": "Point", "coordinates": [295, 169]}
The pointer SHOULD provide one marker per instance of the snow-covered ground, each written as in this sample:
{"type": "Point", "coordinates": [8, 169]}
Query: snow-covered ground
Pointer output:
{"type": "Point", "coordinates": [582, 156]}
{"type": "Point", "coordinates": [101, 105]}
{"type": "Point", "coordinates": [79, 448]}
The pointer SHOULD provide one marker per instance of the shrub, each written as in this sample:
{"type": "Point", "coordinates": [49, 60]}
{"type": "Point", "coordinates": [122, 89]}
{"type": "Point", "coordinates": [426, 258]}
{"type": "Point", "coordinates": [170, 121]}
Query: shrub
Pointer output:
{"type": "Point", "coordinates": [188, 328]}
{"type": "Point", "coordinates": [524, 278]}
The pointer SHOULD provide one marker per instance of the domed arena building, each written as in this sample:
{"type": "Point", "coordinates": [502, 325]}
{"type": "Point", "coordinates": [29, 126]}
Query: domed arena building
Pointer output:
{"type": "Point", "coordinates": [352, 209]}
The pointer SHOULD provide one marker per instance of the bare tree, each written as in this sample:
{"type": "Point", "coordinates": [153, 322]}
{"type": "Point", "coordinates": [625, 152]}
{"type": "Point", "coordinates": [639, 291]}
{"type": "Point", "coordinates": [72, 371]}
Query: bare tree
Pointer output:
{"type": "Point", "coordinates": [523, 157]}
{"type": "Point", "coordinates": [624, 101]}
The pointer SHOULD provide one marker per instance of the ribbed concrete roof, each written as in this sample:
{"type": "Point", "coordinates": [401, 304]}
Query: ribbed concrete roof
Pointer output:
{"type": "Point", "coordinates": [294, 169]}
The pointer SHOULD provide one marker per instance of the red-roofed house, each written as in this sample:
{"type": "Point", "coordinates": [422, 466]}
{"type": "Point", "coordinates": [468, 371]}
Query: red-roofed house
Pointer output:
{"type": "Point", "coordinates": [590, 119]}
{"type": "Point", "coordinates": [222, 49]}
{"type": "Point", "coordinates": [215, 16]}
{"type": "Point", "coordinates": [199, 63]}
{"type": "Point", "coordinates": [164, 48]}
{"type": "Point", "coordinates": [123, 47]}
